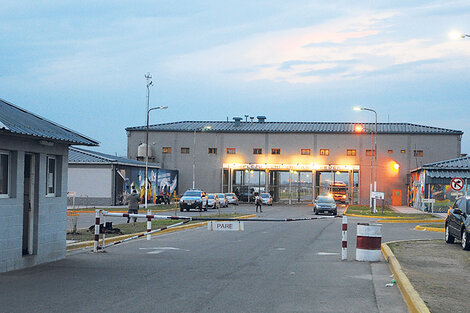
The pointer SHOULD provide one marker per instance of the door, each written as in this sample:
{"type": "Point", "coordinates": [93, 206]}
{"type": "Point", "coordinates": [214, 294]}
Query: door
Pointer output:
{"type": "Point", "coordinates": [396, 197]}
{"type": "Point", "coordinates": [28, 204]}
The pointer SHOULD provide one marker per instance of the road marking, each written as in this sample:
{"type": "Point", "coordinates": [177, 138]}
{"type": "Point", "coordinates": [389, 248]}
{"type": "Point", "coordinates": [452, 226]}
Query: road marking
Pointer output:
{"type": "Point", "coordinates": [157, 250]}
{"type": "Point", "coordinates": [327, 253]}
{"type": "Point", "coordinates": [280, 249]}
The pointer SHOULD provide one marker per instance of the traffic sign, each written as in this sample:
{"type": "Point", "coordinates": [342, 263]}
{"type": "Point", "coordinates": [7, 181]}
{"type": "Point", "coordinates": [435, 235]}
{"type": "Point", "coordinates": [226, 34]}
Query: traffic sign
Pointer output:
{"type": "Point", "coordinates": [457, 183]}
{"type": "Point", "coordinates": [377, 195]}
{"type": "Point", "coordinates": [227, 225]}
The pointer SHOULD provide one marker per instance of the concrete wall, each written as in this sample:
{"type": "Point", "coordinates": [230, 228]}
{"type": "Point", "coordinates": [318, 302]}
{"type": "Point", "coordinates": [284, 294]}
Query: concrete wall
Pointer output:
{"type": "Point", "coordinates": [49, 213]}
{"type": "Point", "coordinates": [93, 184]}
{"type": "Point", "coordinates": [209, 167]}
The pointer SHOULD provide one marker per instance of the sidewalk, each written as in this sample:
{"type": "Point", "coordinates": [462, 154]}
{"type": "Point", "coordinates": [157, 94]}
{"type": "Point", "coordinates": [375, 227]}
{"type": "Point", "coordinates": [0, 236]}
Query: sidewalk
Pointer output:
{"type": "Point", "coordinates": [406, 209]}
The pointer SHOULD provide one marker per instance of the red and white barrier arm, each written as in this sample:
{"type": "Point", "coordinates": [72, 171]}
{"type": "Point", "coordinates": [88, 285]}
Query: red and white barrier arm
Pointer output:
{"type": "Point", "coordinates": [344, 239]}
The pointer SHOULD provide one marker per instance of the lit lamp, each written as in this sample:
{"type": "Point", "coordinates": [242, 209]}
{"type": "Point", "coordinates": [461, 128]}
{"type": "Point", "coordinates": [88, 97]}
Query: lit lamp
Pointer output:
{"type": "Point", "coordinates": [454, 35]}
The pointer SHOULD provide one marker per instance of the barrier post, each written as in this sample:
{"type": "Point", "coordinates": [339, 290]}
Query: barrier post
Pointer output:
{"type": "Point", "coordinates": [149, 228]}
{"type": "Point", "coordinates": [344, 238]}
{"type": "Point", "coordinates": [369, 239]}
{"type": "Point", "coordinates": [97, 231]}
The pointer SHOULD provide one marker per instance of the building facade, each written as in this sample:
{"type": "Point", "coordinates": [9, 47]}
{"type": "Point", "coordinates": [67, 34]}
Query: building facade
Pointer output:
{"type": "Point", "coordinates": [33, 187]}
{"type": "Point", "coordinates": [294, 161]}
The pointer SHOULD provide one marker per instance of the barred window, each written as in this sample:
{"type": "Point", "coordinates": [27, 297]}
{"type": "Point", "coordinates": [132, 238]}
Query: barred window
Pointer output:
{"type": "Point", "coordinates": [324, 151]}
{"type": "Point", "coordinates": [305, 151]}
{"type": "Point", "coordinates": [418, 153]}
{"type": "Point", "coordinates": [276, 151]}
{"type": "Point", "coordinates": [231, 151]}
{"type": "Point", "coordinates": [166, 150]}
{"type": "Point", "coordinates": [351, 152]}
{"type": "Point", "coordinates": [257, 151]}
{"type": "Point", "coordinates": [370, 152]}
{"type": "Point", "coordinates": [184, 150]}
{"type": "Point", "coordinates": [212, 151]}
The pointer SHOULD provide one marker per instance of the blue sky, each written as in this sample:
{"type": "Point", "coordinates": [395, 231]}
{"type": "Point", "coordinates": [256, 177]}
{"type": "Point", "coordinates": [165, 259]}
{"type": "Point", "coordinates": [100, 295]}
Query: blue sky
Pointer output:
{"type": "Point", "coordinates": [82, 63]}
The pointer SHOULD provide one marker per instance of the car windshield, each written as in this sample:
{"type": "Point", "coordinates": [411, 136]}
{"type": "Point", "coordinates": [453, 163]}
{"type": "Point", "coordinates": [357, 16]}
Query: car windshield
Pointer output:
{"type": "Point", "coordinates": [230, 194]}
{"type": "Point", "coordinates": [220, 195]}
{"type": "Point", "coordinates": [192, 194]}
{"type": "Point", "coordinates": [211, 196]}
{"type": "Point", "coordinates": [264, 195]}
{"type": "Point", "coordinates": [325, 200]}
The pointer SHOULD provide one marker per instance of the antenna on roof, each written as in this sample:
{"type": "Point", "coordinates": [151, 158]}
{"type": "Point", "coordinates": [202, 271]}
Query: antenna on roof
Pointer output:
{"type": "Point", "coordinates": [246, 118]}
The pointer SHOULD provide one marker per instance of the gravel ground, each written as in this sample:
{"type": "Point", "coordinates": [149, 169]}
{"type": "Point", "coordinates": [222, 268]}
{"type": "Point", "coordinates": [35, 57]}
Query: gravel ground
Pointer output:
{"type": "Point", "coordinates": [438, 271]}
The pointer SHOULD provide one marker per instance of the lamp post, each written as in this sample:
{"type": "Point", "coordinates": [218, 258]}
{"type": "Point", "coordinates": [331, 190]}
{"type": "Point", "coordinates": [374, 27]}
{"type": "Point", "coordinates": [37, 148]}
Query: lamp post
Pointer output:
{"type": "Point", "coordinates": [457, 35]}
{"type": "Point", "coordinates": [374, 151]}
{"type": "Point", "coordinates": [204, 128]}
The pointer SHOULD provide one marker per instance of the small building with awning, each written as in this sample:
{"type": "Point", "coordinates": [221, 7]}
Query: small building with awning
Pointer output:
{"type": "Point", "coordinates": [433, 181]}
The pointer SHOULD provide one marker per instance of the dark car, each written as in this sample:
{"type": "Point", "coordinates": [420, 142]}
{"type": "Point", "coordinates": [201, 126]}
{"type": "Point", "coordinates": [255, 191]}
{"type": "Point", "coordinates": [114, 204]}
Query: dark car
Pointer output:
{"type": "Point", "coordinates": [325, 204]}
{"type": "Point", "coordinates": [193, 199]}
{"type": "Point", "coordinates": [458, 222]}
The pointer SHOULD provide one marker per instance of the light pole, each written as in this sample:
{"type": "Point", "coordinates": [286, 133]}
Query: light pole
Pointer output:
{"type": "Point", "coordinates": [204, 128]}
{"type": "Point", "coordinates": [374, 151]}
{"type": "Point", "coordinates": [457, 35]}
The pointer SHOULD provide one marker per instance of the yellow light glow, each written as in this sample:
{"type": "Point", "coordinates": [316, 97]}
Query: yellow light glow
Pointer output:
{"type": "Point", "coordinates": [338, 172]}
{"type": "Point", "coordinates": [356, 108]}
{"type": "Point", "coordinates": [358, 128]}
{"type": "Point", "coordinates": [454, 35]}
{"type": "Point", "coordinates": [396, 166]}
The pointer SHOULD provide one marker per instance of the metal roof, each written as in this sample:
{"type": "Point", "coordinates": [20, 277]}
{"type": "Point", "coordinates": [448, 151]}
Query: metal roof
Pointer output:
{"type": "Point", "coordinates": [83, 156]}
{"type": "Point", "coordinates": [16, 120]}
{"type": "Point", "coordinates": [459, 167]}
{"type": "Point", "coordinates": [294, 127]}
{"type": "Point", "coordinates": [448, 173]}
{"type": "Point", "coordinates": [458, 163]}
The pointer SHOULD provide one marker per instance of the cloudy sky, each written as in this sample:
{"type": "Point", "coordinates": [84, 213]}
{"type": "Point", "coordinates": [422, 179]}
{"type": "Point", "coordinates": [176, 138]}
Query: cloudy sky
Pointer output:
{"type": "Point", "coordinates": [82, 63]}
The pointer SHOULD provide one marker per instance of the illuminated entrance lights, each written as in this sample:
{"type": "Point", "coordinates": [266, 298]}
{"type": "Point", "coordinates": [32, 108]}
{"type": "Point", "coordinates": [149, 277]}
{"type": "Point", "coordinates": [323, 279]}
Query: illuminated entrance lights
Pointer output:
{"type": "Point", "coordinates": [291, 167]}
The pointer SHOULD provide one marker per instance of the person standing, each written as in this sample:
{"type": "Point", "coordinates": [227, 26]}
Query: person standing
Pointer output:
{"type": "Point", "coordinates": [134, 200]}
{"type": "Point", "coordinates": [258, 203]}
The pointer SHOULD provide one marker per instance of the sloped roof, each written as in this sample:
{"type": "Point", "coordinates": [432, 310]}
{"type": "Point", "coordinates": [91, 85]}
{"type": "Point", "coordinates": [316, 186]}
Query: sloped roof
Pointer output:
{"type": "Point", "coordinates": [295, 127]}
{"type": "Point", "coordinates": [458, 163]}
{"type": "Point", "coordinates": [83, 156]}
{"type": "Point", "coordinates": [16, 120]}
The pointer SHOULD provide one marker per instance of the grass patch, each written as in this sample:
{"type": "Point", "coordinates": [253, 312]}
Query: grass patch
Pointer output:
{"type": "Point", "coordinates": [387, 212]}
{"type": "Point", "coordinates": [131, 228]}
{"type": "Point", "coordinates": [434, 225]}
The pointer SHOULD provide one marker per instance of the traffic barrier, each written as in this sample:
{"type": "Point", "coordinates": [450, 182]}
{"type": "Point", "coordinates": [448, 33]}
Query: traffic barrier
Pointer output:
{"type": "Point", "coordinates": [344, 235]}
{"type": "Point", "coordinates": [97, 231]}
{"type": "Point", "coordinates": [369, 238]}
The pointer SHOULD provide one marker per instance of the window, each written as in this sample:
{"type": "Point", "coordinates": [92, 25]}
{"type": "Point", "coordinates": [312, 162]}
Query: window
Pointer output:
{"type": "Point", "coordinates": [418, 153]}
{"type": "Point", "coordinates": [231, 151]}
{"type": "Point", "coordinates": [4, 171]}
{"type": "Point", "coordinates": [166, 150]}
{"type": "Point", "coordinates": [403, 151]}
{"type": "Point", "coordinates": [351, 152]}
{"type": "Point", "coordinates": [50, 175]}
{"type": "Point", "coordinates": [370, 152]}
{"type": "Point", "coordinates": [324, 151]}
{"type": "Point", "coordinates": [305, 151]}
{"type": "Point", "coordinates": [276, 151]}
{"type": "Point", "coordinates": [213, 151]}
{"type": "Point", "coordinates": [390, 151]}
{"type": "Point", "coordinates": [184, 150]}
{"type": "Point", "coordinates": [257, 151]}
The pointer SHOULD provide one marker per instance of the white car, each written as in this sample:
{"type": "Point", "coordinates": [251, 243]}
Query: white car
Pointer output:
{"type": "Point", "coordinates": [231, 198]}
{"type": "Point", "coordinates": [222, 200]}
{"type": "Point", "coordinates": [212, 201]}
{"type": "Point", "coordinates": [266, 199]}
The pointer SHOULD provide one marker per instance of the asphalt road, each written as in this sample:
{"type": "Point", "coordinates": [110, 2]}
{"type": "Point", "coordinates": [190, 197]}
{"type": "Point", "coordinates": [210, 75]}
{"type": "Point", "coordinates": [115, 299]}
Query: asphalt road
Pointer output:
{"type": "Point", "coordinates": [269, 267]}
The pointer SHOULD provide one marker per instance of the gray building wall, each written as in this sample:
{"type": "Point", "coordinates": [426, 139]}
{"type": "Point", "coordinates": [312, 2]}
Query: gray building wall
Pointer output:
{"type": "Point", "coordinates": [435, 147]}
{"type": "Point", "coordinates": [93, 184]}
{"type": "Point", "coordinates": [49, 213]}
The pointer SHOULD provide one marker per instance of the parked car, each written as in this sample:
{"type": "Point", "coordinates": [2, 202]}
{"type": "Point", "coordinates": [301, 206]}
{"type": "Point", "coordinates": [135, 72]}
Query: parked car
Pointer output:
{"type": "Point", "coordinates": [193, 199]}
{"type": "Point", "coordinates": [231, 198]}
{"type": "Point", "coordinates": [222, 200]}
{"type": "Point", "coordinates": [325, 204]}
{"type": "Point", "coordinates": [458, 222]}
{"type": "Point", "coordinates": [212, 201]}
{"type": "Point", "coordinates": [266, 199]}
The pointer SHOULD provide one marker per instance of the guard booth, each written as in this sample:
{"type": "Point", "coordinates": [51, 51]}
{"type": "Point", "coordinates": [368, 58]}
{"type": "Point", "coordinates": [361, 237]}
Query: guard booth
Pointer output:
{"type": "Point", "coordinates": [289, 183]}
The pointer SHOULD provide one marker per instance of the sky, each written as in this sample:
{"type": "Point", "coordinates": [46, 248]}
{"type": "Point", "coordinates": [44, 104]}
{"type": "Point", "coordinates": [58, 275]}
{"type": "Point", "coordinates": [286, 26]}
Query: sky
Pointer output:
{"type": "Point", "coordinates": [82, 63]}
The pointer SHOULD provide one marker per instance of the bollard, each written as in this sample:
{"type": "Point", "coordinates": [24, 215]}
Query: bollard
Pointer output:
{"type": "Point", "coordinates": [97, 231]}
{"type": "Point", "coordinates": [344, 235]}
{"type": "Point", "coordinates": [369, 238]}
{"type": "Point", "coordinates": [149, 228]}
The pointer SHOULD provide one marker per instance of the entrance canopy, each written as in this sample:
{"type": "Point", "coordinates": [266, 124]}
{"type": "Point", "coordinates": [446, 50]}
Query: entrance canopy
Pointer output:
{"type": "Point", "coordinates": [298, 167]}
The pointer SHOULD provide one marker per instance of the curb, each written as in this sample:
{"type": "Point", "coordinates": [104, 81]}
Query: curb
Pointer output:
{"type": "Point", "coordinates": [85, 244]}
{"type": "Point", "coordinates": [411, 221]}
{"type": "Point", "coordinates": [410, 295]}
{"type": "Point", "coordinates": [438, 230]}
{"type": "Point", "coordinates": [368, 216]}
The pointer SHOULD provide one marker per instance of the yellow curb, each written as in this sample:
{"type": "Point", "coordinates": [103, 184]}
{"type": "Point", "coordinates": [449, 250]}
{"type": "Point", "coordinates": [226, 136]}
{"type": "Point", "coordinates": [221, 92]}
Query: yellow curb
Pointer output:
{"type": "Point", "coordinates": [85, 244]}
{"type": "Point", "coordinates": [411, 221]}
{"type": "Point", "coordinates": [439, 230]}
{"type": "Point", "coordinates": [410, 295]}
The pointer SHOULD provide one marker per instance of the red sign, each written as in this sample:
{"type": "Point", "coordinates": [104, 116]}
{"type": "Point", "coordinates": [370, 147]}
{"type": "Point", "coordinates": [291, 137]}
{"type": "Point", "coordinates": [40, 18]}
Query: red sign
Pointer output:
{"type": "Point", "coordinates": [457, 183]}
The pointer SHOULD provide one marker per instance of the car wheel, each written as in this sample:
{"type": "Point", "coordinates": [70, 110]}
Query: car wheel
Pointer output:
{"type": "Point", "coordinates": [181, 209]}
{"type": "Point", "coordinates": [335, 212]}
{"type": "Point", "coordinates": [465, 240]}
{"type": "Point", "coordinates": [449, 238]}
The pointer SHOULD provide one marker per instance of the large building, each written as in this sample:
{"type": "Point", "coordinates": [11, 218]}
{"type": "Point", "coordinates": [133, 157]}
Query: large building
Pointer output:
{"type": "Point", "coordinates": [33, 187]}
{"type": "Point", "coordinates": [294, 161]}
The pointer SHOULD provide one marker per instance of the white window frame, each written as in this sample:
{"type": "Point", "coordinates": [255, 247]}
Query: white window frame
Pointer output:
{"type": "Point", "coordinates": [7, 195]}
{"type": "Point", "coordinates": [49, 194]}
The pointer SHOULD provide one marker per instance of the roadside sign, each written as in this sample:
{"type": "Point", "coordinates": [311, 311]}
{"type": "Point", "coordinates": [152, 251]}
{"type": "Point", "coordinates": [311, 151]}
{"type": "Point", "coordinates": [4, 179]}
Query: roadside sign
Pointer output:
{"type": "Point", "coordinates": [457, 183]}
{"type": "Point", "coordinates": [377, 195]}
{"type": "Point", "coordinates": [429, 200]}
{"type": "Point", "coordinates": [226, 225]}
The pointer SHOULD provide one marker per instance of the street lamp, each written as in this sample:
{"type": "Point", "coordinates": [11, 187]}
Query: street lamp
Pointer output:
{"type": "Point", "coordinates": [204, 128]}
{"type": "Point", "coordinates": [374, 151]}
{"type": "Point", "coordinates": [457, 35]}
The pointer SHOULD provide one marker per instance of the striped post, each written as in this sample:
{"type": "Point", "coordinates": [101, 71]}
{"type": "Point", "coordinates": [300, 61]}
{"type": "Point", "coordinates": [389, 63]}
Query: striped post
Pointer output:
{"type": "Point", "coordinates": [344, 238]}
{"type": "Point", "coordinates": [97, 231]}
{"type": "Point", "coordinates": [369, 238]}
{"type": "Point", "coordinates": [149, 227]}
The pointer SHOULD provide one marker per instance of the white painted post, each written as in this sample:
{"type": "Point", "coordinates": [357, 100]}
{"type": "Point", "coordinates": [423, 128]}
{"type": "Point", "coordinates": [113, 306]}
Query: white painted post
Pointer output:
{"type": "Point", "coordinates": [149, 228]}
{"type": "Point", "coordinates": [344, 235]}
{"type": "Point", "coordinates": [97, 231]}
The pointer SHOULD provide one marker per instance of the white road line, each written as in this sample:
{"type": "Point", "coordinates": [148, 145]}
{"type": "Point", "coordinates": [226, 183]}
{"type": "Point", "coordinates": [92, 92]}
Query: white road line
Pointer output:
{"type": "Point", "coordinates": [327, 253]}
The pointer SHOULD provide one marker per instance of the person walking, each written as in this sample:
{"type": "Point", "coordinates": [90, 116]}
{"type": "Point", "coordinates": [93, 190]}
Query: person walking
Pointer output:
{"type": "Point", "coordinates": [134, 200]}
{"type": "Point", "coordinates": [258, 203]}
